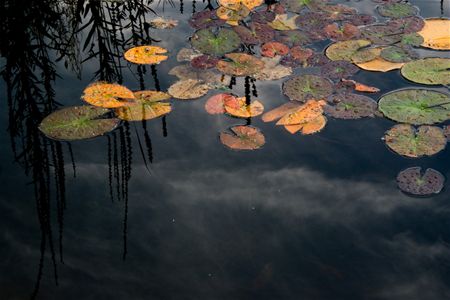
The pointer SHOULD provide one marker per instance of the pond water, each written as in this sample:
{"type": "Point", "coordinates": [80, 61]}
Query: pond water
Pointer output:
{"type": "Point", "coordinates": [162, 210]}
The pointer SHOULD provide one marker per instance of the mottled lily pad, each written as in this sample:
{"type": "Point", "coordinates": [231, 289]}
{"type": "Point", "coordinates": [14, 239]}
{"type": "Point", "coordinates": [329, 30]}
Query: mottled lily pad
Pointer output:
{"type": "Point", "coordinates": [243, 138]}
{"type": "Point", "coordinates": [305, 87]}
{"type": "Point", "coordinates": [255, 33]}
{"type": "Point", "coordinates": [341, 33]}
{"type": "Point", "coordinates": [379, 64]}
{"type": "Point", "coordinates": [296, 6]}
{"type": "Point", "coordinates": [406, 25]}
{"type": "Point", "coordinates": [238, 107]}
{"type": "Point", "coordinates": [272, 49]}
{"type": "Point", "coordinates": [188, 89]}
{"type": "Point", "coordinates": [283, 22]}
{"type": "Point", "coordinates": [310, 127]}
{"type": "Point", "coordinates": [263, 16]}
{"type": "Point", "coordinates": [77, 123]}
{"type": "Point", "coordinates": [204, 62]}
{"type": "Point", "coordinates": [382, 34]}
{"type": "Point", "coordinates": [408, 141]}
{"type": "Point", "coordinates": [272, 69]}
{"type": "Point", "coordinates": [397, 10]}
{"type": "Point", "coordinates": [365, 55]}
{"type": "Point", "coordinates": [150, 55]}
{"type": "Point", "coordinates": [397, 55]}
{"type": "Point", "coordinates": [412, 39]}
{"type": "Point", "coordinates": [205, 19]}
{"type": "Point", "coordinates": [344, 50]}
{"type": "Point", "coordinates": [232, 15]}
{"type": "Point", "coordinates": [412, 181]}
{"type": "Point", "coordinates": [107, 95]}
{"type": "Point", "coordinates": [293, 38]}
{"type": "Point", "coordinates": [216, 104]}
{"type": "Point", "coordinates": [306, 113]}
{"type": "Point", "coordinates": [208, 42]}
{"type": "Point", "coordinates": [416, 106]}
{"type": "Point", "coordinates": [210, 76]}
{"type": "Point", "coordinates": [240, 64]}
{"type": "Point", "coordinates": [338, 69]}
{"type": "Point", "coordinates": [281, 111]}
{"type": "Point", "coordinates": [147, 105]}
{"type": "Point", "coordinates": [429, 71]}
{"type": "Point", "coordinates": [351, 106]}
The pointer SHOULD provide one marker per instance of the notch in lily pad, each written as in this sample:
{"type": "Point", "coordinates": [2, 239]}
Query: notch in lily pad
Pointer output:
{"type": "Point", "coordinates": [413, 181]}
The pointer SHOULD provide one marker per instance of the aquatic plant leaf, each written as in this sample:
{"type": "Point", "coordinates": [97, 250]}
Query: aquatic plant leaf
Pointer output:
{"type": "Point", "coordinates": [187, 54]}
{"type": "Point", "coordinates": [188, 89]}
{"type": "Point", "coordinates": [208, 42]}
{"type": "Point", "coordinates": [406, 25]}
{"type": "Point", "coordinates": [232, 15]}
{"type": "Point", "coordinates": [272, 69]}
{"type": "Point", "coordinates": [397, 10]}
{"type": "Point", "coordinates": [304, 114]}
{"type": "Point", "coordinates": [240, 64]}
{"type": "Point", "coordinates": [204, 62]}
{"type": "Point", "coordinates": [338, 69]}
{"type": "Point", "coordinates": [408, 141]}
{"type": "Point", "coordinates": [416, 106]}
{"type": "Point", "coordinates": [238, 107]}
{"type": "Point", "coordinates": [148, 55]}
{"type": "Point", "coordinates": [379, 64]}
{"type": "Point", "coordinates": [283, 22]}
{"type": "Point", "coordinates": [359, 87]}
{"type": "Point", "coordinates": [305, 87]}
{"type": "Point", "coordinates": [280, 111]}
{"type": "Point", "coordinates": [255, 33]}
{"type": "Point", "coordinates": [412, 181]}
{"type": "Point", "coordinates": [272, 49]}
{"type": "Point", "coordinates": [216, 104]}
{"type": "Point", "coordinates": [310, 127]}
{"type": "Point", "coordinates": [108, 95]}
{"type": "Point", "coordinates": [436, 34]}
{"type": "Point", "coordinates": [428, 71]}
{"type": "Point", "coordinates": [382, 34]}
{"type": "Point", "coordinates": [210, 76]}
{"type": "Point", "coordinates": [263, 16]}
{"type": "Point", "coordinates": [412, 39]}
{"type": "Point", "coordinates": [344, 50]}
{"type": "Point", "coordinates": [337, 12]}
{"type": "Point", "coordinates": [77, 123]}
{"type": "Point", "coordinates": [397, 55]}
{"type": "Point", "coordinates": [312, 23]}
{"type": "Point", "coordinates": [351, 106]}
{"type": "Point", "coordinates": [243, 138]}
{"type": "Point", "coordinates": [250, 4]}
{"type": "Point", "coordinates": [293, 38]}
{"type": "Point", "coordinates": [365, 55]}
{"type": "Point", "coordinates": [341, 33]}
{"type": "Point", "coordinates": [205, 19]}
{"type": "Point", "coordinates": [360, 19]}
{"type": "Point", "coordinates": [147, 105]}
{"type": "Point", "coordinates": [162, 23]}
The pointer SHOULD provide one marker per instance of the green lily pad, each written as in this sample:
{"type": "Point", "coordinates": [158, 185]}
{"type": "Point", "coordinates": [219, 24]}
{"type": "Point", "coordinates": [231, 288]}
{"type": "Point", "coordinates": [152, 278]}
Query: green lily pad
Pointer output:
{"type": "Point", "coordinates": [365, 55]}
{"type": "Point", "coordinates": [344, 50]}
{"type": "Point", "coordinates": [412, 39]}
{"type": "Point", "coordinates": [208, 42]}
{"type": "Point", "coordinates": [397, 10]}
{"type": "Point", "coordinates": [351, 106]}
{"type": "Point", "coordinates": [397, 54]}
{"type": "Point", "coordinates": [429, 71]}
{"type": "Point", "coordinates": [408, 141]}
{"type": "Point", "coordinates": [77, 123]}
{"type": "Point", "coordinates": [412, 181]}
{"type": "Point", "coordinates": [416, 106]}
{"type": "Point", "coordinates": [305, 87]}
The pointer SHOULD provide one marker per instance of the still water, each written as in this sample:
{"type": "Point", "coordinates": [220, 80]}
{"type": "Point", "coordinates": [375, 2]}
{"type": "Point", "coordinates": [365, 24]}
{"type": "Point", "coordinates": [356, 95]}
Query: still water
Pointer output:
{"type": "Point", "coordinates": [162, 210]}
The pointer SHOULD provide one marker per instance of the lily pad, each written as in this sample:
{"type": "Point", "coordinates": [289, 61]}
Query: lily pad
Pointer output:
{"type": "Point", "coordinates": [255, 33]}
{"type": "Point", "coordinates": [306, 113]}
{"type": "Point", "coordinates": [430, 71]}
{"type": "Point", "coordinates": [379, 64]}
{"type": "Point", "coordinates": [412, 39]}
{"type": "Point", "coordinates": [338, 69]}
{"type": "Point", "coordinates": [305, 87]}
{"type": "Point", "coordinates": [243, 138]}
{"type": "Point", "coordinates": [408, 141]}
{"type": "Point", "coordinates": [272, 69]}
{"type": "Point", "coordinates": [397, 10]}
{"type": "Point", "coordinates": [210, 76]}
{"type": "Point", "coordinates": [232, 15]}
{"type": "Point", "coordinates": [283, 22]}
{"type": "Point", "coordinates": [406, 25]}
{"type": "Point", "coordinates": [240, 64]}
{"type": "Point", "coordinates": [365, 55]}
{"type": "Point", "coordinates": [416, 106]}
{"type": "Point", "coordinates": [188, 89]}
{"type": "Point", "coordinates": [77, 123]}
{"type": "Point", "coordinates": [150, 55]}
{"type": "Point", "coordinates": [237, 107]}
{"type": "Point", "coordinates": [351, 106]}
{"type": "Point", "coordinates": [341, 33]}
{"type": "Point", "coordinates": [162, 23]}
{"type": "Point", "coordinates": [311, 127]}
{"type": "Point", "coordinates": [281, 111]}
{"type": "Point", "coordinates": [436, 34]}
{"type": "Point", "coordinates": [397, 55]}
{"type": "Point", "coordinates": [263, 16]}
{"type": "Point", "coordinates": [293, 38]}
{"type": "Point", "coordinates": [187, 54]}
{"type": "Point", "coordinates": [382, 34]}
{"type": "Point", "coordinates": [216, 104]}
{"type": "Point", "coordinates": [272, 49]}
{"type": "Point", "coordinates": [344, 50]}
{"type": "Point", "coordinates": [148, 105]}
{"type": "Point", "coordinates": [208, 42]}
{"type": "Point", "coordinates": [107, 95]}
{"type": "Point", "coordinates": [205, 19]}
{"type": "Point", "coordinates": [412, 181]}
{"type": "Point", "coordinates": [297, 6]}
{"type": "Point", "coordinates": [204, 62]}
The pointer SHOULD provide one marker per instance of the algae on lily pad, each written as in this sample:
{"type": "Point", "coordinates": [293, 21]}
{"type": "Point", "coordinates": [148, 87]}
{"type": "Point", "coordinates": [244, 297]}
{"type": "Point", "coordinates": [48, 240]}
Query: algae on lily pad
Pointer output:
{"type": "Point", "coordinates": [408, 141]}
{"type": "Point", "coordinates": [351, 106]}
{"type": "Point", "coordinates": [77, 123]}
{"type": "Point", "coordinates": [344, 50]}
{"type": "Point", "coordinates": [148, 105]}
{"type": "Point", "coordinates": [305, 87]}
{"type": "Point", "coordinates": [416, 106]}
{"type": "Point", "coordinates": [243, 138]}
{"type": "Point", "coordinates": [209, 42]}
{"type": "Point", "coordinates": [431, 71]}
{"type": "Point", "coordinates": [397, 55]}
{"type": "Point", "coordinates": [414, 182]}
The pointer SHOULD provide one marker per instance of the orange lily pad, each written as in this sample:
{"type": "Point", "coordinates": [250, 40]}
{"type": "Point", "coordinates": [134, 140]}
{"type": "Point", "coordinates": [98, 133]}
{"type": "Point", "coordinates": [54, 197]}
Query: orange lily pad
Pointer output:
{"type": "Point", "coordinates": [243, 138]}
{"type": "Point", "coordinates": [107, 95]}
{"type": "Point", "coordinates": [149, 55]}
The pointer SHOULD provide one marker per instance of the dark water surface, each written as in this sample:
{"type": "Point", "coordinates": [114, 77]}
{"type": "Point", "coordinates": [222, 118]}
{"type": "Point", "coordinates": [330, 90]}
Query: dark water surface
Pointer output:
{"type": "Point", "coordinates": [306, 217]}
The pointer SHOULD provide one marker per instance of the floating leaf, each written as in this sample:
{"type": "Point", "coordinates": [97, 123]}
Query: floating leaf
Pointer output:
{"type": "Point", "coordinates": [149, 55]}
{"type": "Point", "coordinates": [351, 106]}
{"type": "Point", "coordinates": [360, 19]}
{"type": "Point", "coordinates": [396, 54]}
{"type": "Point", "coordinates": [406, 25]}
{"type": "Point", "coordinates": [207, 42]}
{"type": "Point", "coordinates": [365, 55]}
{"type": "Point", "coordinates": [232, 15]}
{"type": "Point", "coordinates": [407, 141]}
{"type": "Point", "coordinates": [189, 89]}
{"type": "Point", "coordinates": [243, 138]}
{"type": "Point", "coordinates": [205, 19]}
{"type": "Point", "coordinates": [311, 127]}
{"type": "Point", "coordinates": [161, 23]}
{"type": "Point", "coordinates": [240, 64]}
{"type": "Point", "coordinates": [250, 4]}
{"type": "Point", "coordinates": [255, 33]}
{"type": "Point", "coordinates": [338, 69]}
{"type": "Point", "coordinates": [305, 87]}
{"type": "Point", "coordinates": [283, 22]}
{"type": "Point", "coordinates": [379, 64]}
{"type": "Point", "coordinates": [209, 76]}
{"type": "Point", "coordinates": [293, 37]}
{"type": "Point", "coordinates": [304, 114]}
{"type": "Point", "coordinates": [436, 34]}
{"type": "Point", "coordinates": [238, 107]}
{"type": "Point", "coordinates": [447, 132]}
{"type": "Point", "coordinates": [272, 69]}
{"type": "Point", "coordinates": [412, 39]}
{"type": "Point", "coordinates": [280, 111]}
{"type": "Point", "coordinates": [148, 105]}
{"type": "Point", "coordinates": [416, 106]}
{"type": "Point", "coordinates": [428, 71]}
{"type": "Point", "coordinates": [296, 6]}
{"type": "Point", "coordinates": [344, 50]}
{"type": "Point", "coordinates": [204, 62]}
{"type": "Point", "coordinates": [397, 10]}
{"type": "Point", "coordinates": [216, 104]}
{"type": "Point", "coordinates": [359, 87]}
{"type": "Point", "coordinates": [108, 95]}
{"type": "Point", "coordinates": [343, 33]}
{"type": "Point", "coordinates": [382, 34]}
{"type": "Point", "coordinates": [263, 16]}
{"type": "Point", "coordinates": [338, 12]}
{"type": "Point", "coordinates": [413, 181]}
{"type": "Point", "coordinates": [77, 123]}
{"type": "Point", "coordinates": [274, 48]}
{"type": "Point", "coordinates": [187, 54]}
